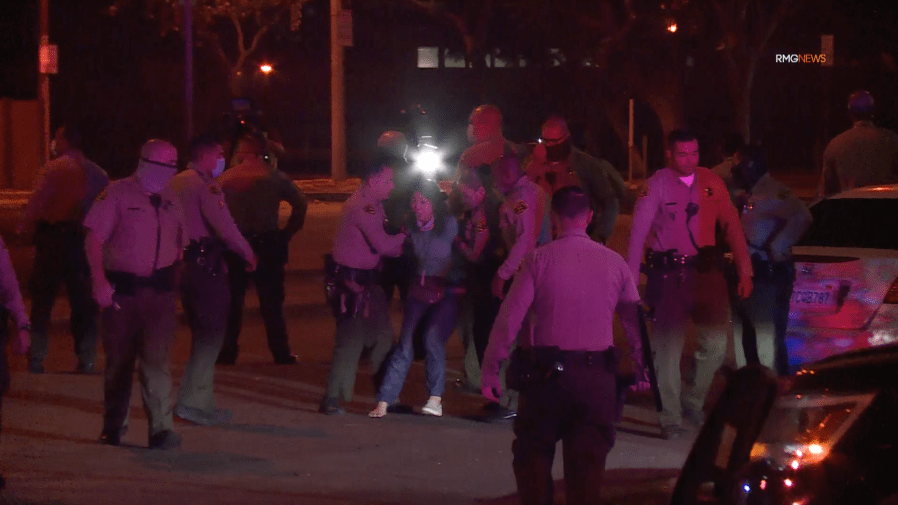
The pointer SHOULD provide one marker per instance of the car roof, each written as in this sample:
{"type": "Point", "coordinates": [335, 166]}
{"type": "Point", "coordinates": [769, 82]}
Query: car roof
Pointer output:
{"type": "Point", "coordinates": [884, 191]}
{"type": "Point", "coordinates": [866, 369]}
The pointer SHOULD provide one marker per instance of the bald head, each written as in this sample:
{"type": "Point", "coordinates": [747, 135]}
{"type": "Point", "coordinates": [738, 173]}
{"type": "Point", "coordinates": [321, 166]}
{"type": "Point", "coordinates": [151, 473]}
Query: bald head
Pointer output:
{"type": "Point", "coordinates": [860, 105]}
{"type": "Point", "coordinates": [485, 123]}
{"type": "Point", "coordinates": [555, 128]}
{"type": "Point", "coordinates": [159, 152]}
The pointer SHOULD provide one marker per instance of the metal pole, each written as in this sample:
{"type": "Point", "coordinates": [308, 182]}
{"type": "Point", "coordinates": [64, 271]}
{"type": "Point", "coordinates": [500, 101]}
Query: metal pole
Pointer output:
{"type": "Point", "coordinates": [45, 80]}
{"type": "Point", "coordinates": [188, 69]}
{"type": "Point", "coordinates": [338, 116]}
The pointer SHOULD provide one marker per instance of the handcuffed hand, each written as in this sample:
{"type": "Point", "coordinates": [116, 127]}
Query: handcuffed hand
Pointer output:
{"type": "Point", "coordinates": [491, 387]}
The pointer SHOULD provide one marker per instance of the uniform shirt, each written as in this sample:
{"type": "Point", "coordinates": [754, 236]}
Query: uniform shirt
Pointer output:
{"type": "Point", "coordinates": [524, 222]}
{"type": "Point", "coordinates": [572, 288]}
{"type": "Point", "coordinates": [361, 239]}
{"type": "Point", "coordinates": [136, 236]}
{"type": "Point", "coordinates": [724, 170]}
{"type": "Point", "coordinates": [10, 295]}
{"type": "Point", "coordinates": [862, 156]}
{"type": "Point", "coordinates": [596, 176]}
{"type": "Point", "coordinates": [773, 219]}
{"type": "Point", "coordinates": [481, 153]}
{"type": "Point", "coordinates": [59, 193]}
{"type": "Point", "coordinates": [253, 194]}
{"type": "Point", "coordinates": [660, 221]}
{"type": "Point", "coordinates": [433, 250]}
{"type": "Point", "coordinates": [205, 212]}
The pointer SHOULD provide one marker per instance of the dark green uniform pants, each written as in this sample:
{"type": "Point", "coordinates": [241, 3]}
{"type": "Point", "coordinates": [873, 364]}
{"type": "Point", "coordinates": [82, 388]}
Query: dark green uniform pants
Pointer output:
{"type": "Point", "coordinates": [205, 298]}
{"type": "Point", "coordinates": [354, 334]}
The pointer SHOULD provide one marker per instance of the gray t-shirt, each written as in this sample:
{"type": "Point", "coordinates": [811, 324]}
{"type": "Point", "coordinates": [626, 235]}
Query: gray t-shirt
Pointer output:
{"type": "Point", "coordinates": [433, 250]}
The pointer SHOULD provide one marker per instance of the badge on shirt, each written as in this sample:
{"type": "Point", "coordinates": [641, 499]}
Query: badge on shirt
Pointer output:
{"type": "Point", "coordinates": [102, 196]}
{"type": "Point", "coordinates": [221, 203]}
{"type": "Point", "coordinates": [520, 206]}
{"type": "Point", "coordinates": [215, 190]}
{"type": "Point", "coordinates": [369, 209]}
{"type": "Point", "coordinates": [709, 191]}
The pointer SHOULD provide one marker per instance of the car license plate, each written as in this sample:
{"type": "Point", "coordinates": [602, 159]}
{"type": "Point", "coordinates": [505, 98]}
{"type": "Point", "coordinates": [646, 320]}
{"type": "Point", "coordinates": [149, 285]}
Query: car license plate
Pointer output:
{"type": "Point", "coordinates": [815, 297]}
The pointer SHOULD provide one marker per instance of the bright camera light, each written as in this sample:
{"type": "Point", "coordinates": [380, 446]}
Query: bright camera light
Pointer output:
{"type": "Point", "coordinates": [266, 68]}
{"type": "Point", "coordinates": [428, 161]}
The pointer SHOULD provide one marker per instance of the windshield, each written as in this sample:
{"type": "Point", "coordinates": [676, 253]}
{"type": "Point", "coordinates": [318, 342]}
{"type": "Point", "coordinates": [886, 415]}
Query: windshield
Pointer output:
{"type": "Point", "coordinates": [802, 429]}
{"type": "Point", "coordinates": [866, 223]}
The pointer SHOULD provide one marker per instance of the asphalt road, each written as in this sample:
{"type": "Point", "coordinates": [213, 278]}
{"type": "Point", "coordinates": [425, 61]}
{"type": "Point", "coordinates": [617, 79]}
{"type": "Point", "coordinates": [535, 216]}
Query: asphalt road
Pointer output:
{"type": "Point", "coordinates": [279, 449]}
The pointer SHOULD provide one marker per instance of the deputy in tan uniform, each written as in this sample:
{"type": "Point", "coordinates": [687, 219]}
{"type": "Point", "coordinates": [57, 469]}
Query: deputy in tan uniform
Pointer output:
{"type": "Point", "coordinates": [136, 233]}
{"type": "Point", "coordinates": [556, 163]}
{"type": "Point", "coordinates": [862, 156]}
{"type": "Point", "coordinates": [523, 224]}
{"type": "Point", "coordinates": [356, 296]}
{"type": "Point", "coordinates": [573, 286]}
{"type": "Point", "coordinates": [205, 291]}
{"type": "Point", "coordinates": [64, 194]}
{"type": "Point", "coordinates": [676, 217]}
{"type": "Point", "coordinates": [773, 220]}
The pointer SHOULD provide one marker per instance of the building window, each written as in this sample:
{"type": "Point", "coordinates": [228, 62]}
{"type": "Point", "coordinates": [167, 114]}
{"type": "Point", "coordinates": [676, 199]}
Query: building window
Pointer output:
{"type": "Point", "coordinates": [428, 57]}
{"type": "Point", "coordinates": [453, 60]}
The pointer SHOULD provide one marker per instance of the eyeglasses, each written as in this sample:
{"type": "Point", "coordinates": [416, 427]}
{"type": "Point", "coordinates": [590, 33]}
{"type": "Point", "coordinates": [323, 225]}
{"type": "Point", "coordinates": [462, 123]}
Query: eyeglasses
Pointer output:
{"type": "Point", "coordinates": [160, 163]}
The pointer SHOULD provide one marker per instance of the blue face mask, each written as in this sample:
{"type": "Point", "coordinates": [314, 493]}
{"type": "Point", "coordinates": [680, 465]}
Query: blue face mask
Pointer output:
{"type": "Point", "coordinates": [219, 168]}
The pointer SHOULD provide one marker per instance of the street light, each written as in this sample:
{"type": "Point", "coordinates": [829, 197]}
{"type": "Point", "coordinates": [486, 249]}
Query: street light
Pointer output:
{"type": "Point", "coordinates": [266, 68]}
{"type": "Point", "coordinates": [672, 27]}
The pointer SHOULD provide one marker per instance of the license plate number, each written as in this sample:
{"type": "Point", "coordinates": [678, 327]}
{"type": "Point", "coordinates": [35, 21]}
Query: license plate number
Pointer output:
{"type": "Point", "coordinates": [814, 297]}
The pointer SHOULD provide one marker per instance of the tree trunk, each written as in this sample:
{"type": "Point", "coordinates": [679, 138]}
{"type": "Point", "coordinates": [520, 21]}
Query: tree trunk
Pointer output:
{"type": "Point", "coordinates": [236, 82]}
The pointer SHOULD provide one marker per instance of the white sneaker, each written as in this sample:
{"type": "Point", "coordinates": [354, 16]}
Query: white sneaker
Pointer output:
{"type": "Point", "coordinates": [432, 408]}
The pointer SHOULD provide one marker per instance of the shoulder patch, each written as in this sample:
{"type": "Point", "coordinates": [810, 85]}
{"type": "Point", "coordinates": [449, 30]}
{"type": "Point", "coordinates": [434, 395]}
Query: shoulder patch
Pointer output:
{"type": "Point", "coordinates": [215, 190]}
{"type": "Point", "coordinates": [369, 209]}
{"type": "Point", "coordinates": [221, 204]}
{"type": "Point", "coordinates": [709, 191]}
{"type": "Point", "coordinates": [520, 206]}
{"type": "Point", "coordinates": [102, 196]}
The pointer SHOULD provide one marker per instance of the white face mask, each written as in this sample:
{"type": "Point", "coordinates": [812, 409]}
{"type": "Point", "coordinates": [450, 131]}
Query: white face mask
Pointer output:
{"type": "Point", "coordinates": [219, 168]}
{"type": "Point", "coordinates": [153, 175]}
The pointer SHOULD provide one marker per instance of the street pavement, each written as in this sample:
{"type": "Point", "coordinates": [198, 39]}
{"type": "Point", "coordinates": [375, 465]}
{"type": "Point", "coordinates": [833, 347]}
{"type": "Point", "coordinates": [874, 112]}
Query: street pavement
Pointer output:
{"type": "Point", "coordinates": [278, 449]}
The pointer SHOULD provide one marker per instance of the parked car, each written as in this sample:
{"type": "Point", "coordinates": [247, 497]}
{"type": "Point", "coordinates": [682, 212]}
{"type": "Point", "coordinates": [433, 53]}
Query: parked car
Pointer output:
{"type": "Point", "coordinates": [846, 279]}
{"type": "Point", "coordinates": [830, 438]}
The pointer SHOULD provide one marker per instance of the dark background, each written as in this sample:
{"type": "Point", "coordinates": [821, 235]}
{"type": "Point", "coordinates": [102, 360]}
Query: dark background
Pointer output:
{"type": "Point", "coordinates": [121, 80]}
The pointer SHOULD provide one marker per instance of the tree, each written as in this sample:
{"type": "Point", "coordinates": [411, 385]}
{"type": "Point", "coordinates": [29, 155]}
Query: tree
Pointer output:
{"type": "Point", "coordinates": [233, 29]}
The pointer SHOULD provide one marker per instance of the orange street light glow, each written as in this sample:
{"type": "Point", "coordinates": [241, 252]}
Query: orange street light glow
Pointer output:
{"type": "Point", "coordinates": [672, 27]}
{"type": "Point", "coordinates": [266, 68]}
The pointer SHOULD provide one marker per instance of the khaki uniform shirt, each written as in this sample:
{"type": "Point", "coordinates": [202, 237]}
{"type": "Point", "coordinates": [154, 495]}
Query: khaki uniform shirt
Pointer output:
{"type": "Point", "coordinates": [136, 236]}
{"type": "Point", "coordinates": [10, 295]}
{"type": "Point", "coordinates": [253, 194]}
{"type": "Point", "coordinates": [862, 156]}
{"type": "Point", "coordinates": [205, 212]}
{"type": "Point", "coordinates": [660, 221]}
{"type": "Point", "coordinates": [524, 223]}
{"type": "Point", "coordinates": [773, 219]}
{"type": "Point", "coordinates": [361, 239]}
{"type": "Point", "coordinates": [573, 286]}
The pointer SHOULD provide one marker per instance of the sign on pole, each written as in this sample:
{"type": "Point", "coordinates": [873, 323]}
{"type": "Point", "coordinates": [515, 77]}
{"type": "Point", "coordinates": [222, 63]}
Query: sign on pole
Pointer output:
{"type": "Point", "coordinates": [49, 58]}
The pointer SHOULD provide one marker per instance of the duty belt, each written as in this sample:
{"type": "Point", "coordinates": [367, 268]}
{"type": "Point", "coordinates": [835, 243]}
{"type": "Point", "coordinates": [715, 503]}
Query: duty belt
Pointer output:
{"type": "Point", "coordinates": [207, 253]}
{"type": "Point", "coordinates": [669, 260]}
{"type": "Point", "coordinates": [126, 283]}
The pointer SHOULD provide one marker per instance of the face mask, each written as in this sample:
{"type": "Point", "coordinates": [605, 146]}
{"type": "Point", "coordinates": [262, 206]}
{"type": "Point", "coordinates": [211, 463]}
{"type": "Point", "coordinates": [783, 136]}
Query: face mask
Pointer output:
{"type": "Point", "coordinates": [559, 152]}
{"type": "Point", "coordinates": [219, 168]}
{"type": "Point", "coordinates": [154, 176]}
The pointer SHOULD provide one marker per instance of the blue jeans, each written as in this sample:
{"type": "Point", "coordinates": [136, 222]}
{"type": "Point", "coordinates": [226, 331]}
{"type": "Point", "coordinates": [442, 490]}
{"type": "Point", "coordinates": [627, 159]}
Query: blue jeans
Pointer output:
{"type": "Point", "coordinates": [436, 322]}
